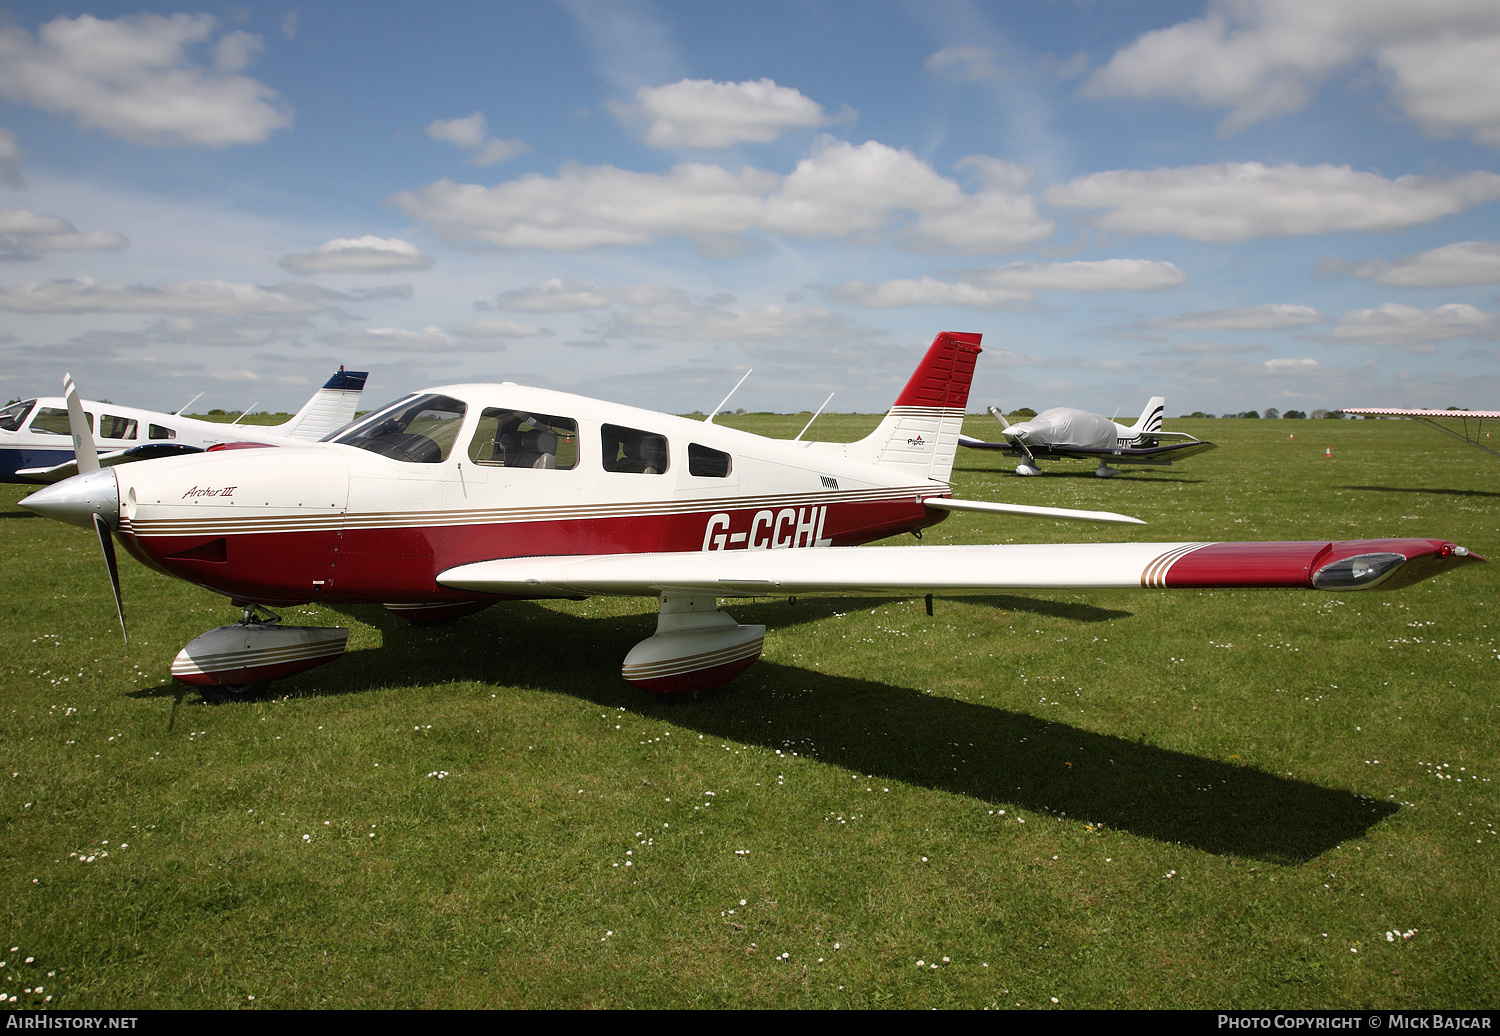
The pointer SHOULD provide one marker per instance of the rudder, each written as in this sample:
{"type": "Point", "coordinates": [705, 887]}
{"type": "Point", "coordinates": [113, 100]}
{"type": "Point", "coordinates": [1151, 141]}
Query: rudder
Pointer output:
{"type": "Point", "coordinates": [920, 433]}
{"type": "Point", "coordinates": [329, 409]}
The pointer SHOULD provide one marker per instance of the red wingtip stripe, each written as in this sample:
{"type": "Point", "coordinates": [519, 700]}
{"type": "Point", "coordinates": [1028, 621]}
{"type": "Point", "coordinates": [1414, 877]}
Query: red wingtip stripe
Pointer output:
{"type": "Point", "coordinates": [942, 378]}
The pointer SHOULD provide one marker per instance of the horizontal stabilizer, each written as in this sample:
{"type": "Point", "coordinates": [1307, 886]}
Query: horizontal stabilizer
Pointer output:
{"type": "Point", "coordinates": [1028, 511]}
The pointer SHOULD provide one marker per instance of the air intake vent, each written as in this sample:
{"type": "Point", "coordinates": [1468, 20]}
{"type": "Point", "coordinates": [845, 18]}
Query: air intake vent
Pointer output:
{"type": "Point", "coordinates": [829, 483]}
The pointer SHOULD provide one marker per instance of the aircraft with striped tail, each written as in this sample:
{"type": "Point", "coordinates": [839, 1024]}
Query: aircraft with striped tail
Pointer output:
{"type": "Point", "coordinates": [1073, 434]}
{"type": "Point", "coordinates": [456, 498]}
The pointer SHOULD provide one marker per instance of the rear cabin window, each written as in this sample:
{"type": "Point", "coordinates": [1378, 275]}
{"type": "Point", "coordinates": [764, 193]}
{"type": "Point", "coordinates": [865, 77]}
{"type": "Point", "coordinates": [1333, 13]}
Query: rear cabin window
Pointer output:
{"type": "Point", "coordinates": [112, 427]}
{"type": "Point", "coordinates": [707, 463]}
{"type": "Point", "coordinates": [520, 439]}
{"type": "Point", "coordinates": [12, 416]}
{"type": "Point", "coordinates": [156, 431]}
{"type": "Point", "coordinates": [49, 420]}
{"type": "Point", "coordinates": [632, 450]}
{"type": "Point", "coordinates": [415, 430]}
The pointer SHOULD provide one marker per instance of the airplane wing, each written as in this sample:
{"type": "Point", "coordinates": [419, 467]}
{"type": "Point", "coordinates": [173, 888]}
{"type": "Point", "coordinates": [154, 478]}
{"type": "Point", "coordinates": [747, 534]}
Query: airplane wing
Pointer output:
{"type": "Point", "coordinates": [1433, 419]}
{"type": "Point", "coordinates": [69, 468]}
{"type": "Point", "coordinates": [1316, 564]}
{"type": "Point", "coordinates": [1385, 411]}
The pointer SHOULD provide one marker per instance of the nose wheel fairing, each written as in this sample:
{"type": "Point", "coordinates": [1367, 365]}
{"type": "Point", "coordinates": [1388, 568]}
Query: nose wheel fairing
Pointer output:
{"type": "Point", "coordinates": [256, 652]}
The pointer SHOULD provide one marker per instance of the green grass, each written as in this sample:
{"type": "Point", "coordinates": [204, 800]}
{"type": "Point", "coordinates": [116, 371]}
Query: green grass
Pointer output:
{"type": "Point", "coordinates": [1147, 799]}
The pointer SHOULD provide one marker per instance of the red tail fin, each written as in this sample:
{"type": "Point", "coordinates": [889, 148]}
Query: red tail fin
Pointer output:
{"type": "Point", "coordinates": [919, 435]}
{"type": "Point", "coordinates": [942, 378]}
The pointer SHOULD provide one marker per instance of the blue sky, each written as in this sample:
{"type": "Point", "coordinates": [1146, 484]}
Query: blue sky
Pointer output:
{"type": "Point", "coordinates": [1237, 205]}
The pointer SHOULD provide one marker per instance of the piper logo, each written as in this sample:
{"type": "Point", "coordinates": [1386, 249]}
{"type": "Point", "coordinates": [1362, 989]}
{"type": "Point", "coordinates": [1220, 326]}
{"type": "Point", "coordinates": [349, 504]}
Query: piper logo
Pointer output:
{"type": "Point", "coordinates": [918, 443]}
{"type": "Point", "coordinates": [769, 530]}
{"type": "Point", "coordinates": [195, 491]}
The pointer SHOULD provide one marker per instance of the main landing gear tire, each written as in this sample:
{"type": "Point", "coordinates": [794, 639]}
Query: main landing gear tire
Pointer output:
{"type": "Point", "coordinates": [236, 691]}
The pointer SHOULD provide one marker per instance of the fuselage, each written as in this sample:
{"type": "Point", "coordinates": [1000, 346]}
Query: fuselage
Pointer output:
{"type": "Point", "coordinates": [34, 432]}
{"type": "Point", "coordinates": [468, 473]}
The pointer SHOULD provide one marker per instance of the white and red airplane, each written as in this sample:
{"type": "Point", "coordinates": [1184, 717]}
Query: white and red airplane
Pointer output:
{"type": "Point", "coordinates": [35, 444]}
{"type": "Point", "coordinates": [1067, 432]}
{"type": "Point", "coordinates": [1432, 419]}
{"type": "Point", "coordinates": [452, 499]}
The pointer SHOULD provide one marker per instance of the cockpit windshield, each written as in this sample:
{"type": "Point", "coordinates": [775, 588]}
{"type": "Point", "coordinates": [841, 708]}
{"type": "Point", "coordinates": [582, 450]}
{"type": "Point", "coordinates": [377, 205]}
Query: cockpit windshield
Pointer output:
{"type": "Point", "coordinates": [12, 417]}
{"type": "Point", "coordinates": [418, 429]}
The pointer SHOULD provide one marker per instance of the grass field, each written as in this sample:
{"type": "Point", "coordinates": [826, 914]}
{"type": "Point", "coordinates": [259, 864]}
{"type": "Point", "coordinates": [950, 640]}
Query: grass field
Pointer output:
{"type": "Point", "coordinates": [1148, 799]}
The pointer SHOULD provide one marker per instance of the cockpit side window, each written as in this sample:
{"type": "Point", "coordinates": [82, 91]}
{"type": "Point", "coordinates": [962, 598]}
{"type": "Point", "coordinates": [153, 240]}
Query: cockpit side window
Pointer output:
{"type": "Point", "coordinates": [157, 431]}
{"type": "Point", "coordinates": [708, 463]}
{"type": "Point", "coordinates": [50, 420]}
{"type": "Point", "coordinates": [112, 427]}
{"type": "Point", "coordinates": [632, 450]}
{"type": "Point", "coordinates": [12, 416]}
{"type": "Point", "coordinates": [416, 430]}
{"type": "Point", "coordinates": [520, 439]}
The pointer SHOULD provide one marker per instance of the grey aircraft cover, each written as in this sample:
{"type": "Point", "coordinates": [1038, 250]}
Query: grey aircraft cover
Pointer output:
{"type": "Point", "coordinates": [1065, 426]}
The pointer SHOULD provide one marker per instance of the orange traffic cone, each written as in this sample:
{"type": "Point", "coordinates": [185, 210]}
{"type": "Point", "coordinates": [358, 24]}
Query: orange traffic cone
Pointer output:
{"type": "Point", "coordinates": [1328, 452]}
{"type": "Point", "coordinates": [1291, 435]}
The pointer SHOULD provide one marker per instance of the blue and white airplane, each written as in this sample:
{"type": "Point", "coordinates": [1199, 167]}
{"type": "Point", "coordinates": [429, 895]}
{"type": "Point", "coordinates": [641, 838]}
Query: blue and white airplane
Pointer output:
{"type": "Point", "coordinates": [37, 446]}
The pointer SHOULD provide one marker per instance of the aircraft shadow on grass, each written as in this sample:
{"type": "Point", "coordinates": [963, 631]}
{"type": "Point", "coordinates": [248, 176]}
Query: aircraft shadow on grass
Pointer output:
{"type": "Point", "coordinates": [889, 733]}
{"type": "Point", "coordinates": [1430, 492]}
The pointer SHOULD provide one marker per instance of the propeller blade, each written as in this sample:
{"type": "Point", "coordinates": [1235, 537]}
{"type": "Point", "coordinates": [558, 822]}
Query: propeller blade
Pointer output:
{"type": "Point", "coordinates": [78, 424]}
{"type": "Point", "coordinates": [107, 544]}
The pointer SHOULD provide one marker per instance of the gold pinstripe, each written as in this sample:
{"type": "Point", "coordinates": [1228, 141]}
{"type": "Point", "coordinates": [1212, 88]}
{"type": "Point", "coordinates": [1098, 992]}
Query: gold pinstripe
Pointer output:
{"type": "Point", "coordinates": [184, 665]}
{"type": "Point", "coordinates": [691, 663]}
{"type": "Point", "coordinates": [1154, 577]}
{"type": "Point", "coordinates": [334, 521]}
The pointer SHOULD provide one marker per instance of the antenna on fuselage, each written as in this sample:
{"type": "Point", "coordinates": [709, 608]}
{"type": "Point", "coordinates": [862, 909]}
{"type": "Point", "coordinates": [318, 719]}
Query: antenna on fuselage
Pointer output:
{"type": "Point", "coordinates": [814, 417]}
{"type": "Point", "coordinates": [710, 418]}
{"type": "Point", "coordinates": [179, 410]}
{"type": "Point", "coordinates": [243, 412]}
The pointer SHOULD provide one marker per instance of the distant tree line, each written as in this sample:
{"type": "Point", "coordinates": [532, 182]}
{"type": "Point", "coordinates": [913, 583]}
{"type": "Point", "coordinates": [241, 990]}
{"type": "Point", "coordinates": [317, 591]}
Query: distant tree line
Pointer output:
{"type": "Point", "coordinates": [1272, 413]}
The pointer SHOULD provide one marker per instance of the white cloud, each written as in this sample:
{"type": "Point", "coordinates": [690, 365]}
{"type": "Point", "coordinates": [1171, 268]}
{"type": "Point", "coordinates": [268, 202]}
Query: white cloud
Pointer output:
{"type": "Point", "coordinates": [1266, 317]}
{"type": "Point", "coordinates": [10, 160]}
{"type": "Point", "coordinates": [1452, 266]}
{"type": "Point", "coordinates": [1013, 283]}
{"type": "Point", "coordinates": [707, 323]}
{"type": "Point", "coordinates": [1395, 324]}
{"type": "Point", "coordinates": [368, 254]}
{"type": "Point", "coordinates": [970, 64]}
{"type": "Point", "coordinates": [841, 191]}
{"type": "Point", "coordinates": [133, 78]}
{"type": "Point", "coordinates": [30, 233]}
{"type": "Point", "coordinates": [1263, 58]}
{"type": "Point", "coordinates": [498, 329]}
{"type": "Point", "coordinates": [593, 206]}
{"type": "Point", "coordinates": [927, 292]}
{"type": "Point", "coordinates": [428, 340]}
{"type": "Point", "coordinates": [572, 295]}
{"type": "Point", "coordinates": [703, 113]}
{"type": "Point", "coordinates": [1247, 200]}
{"type": "Point", "coordinates": [1288, 364]}
{"type": "Point", "coordinates": [1450, 85]}
{"type": "Point", "coordinates": [19, 221]}
{"type": "Point", "coordinates": [190, 298]}
{"type": "Point", "coordinates": [471, 134]}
